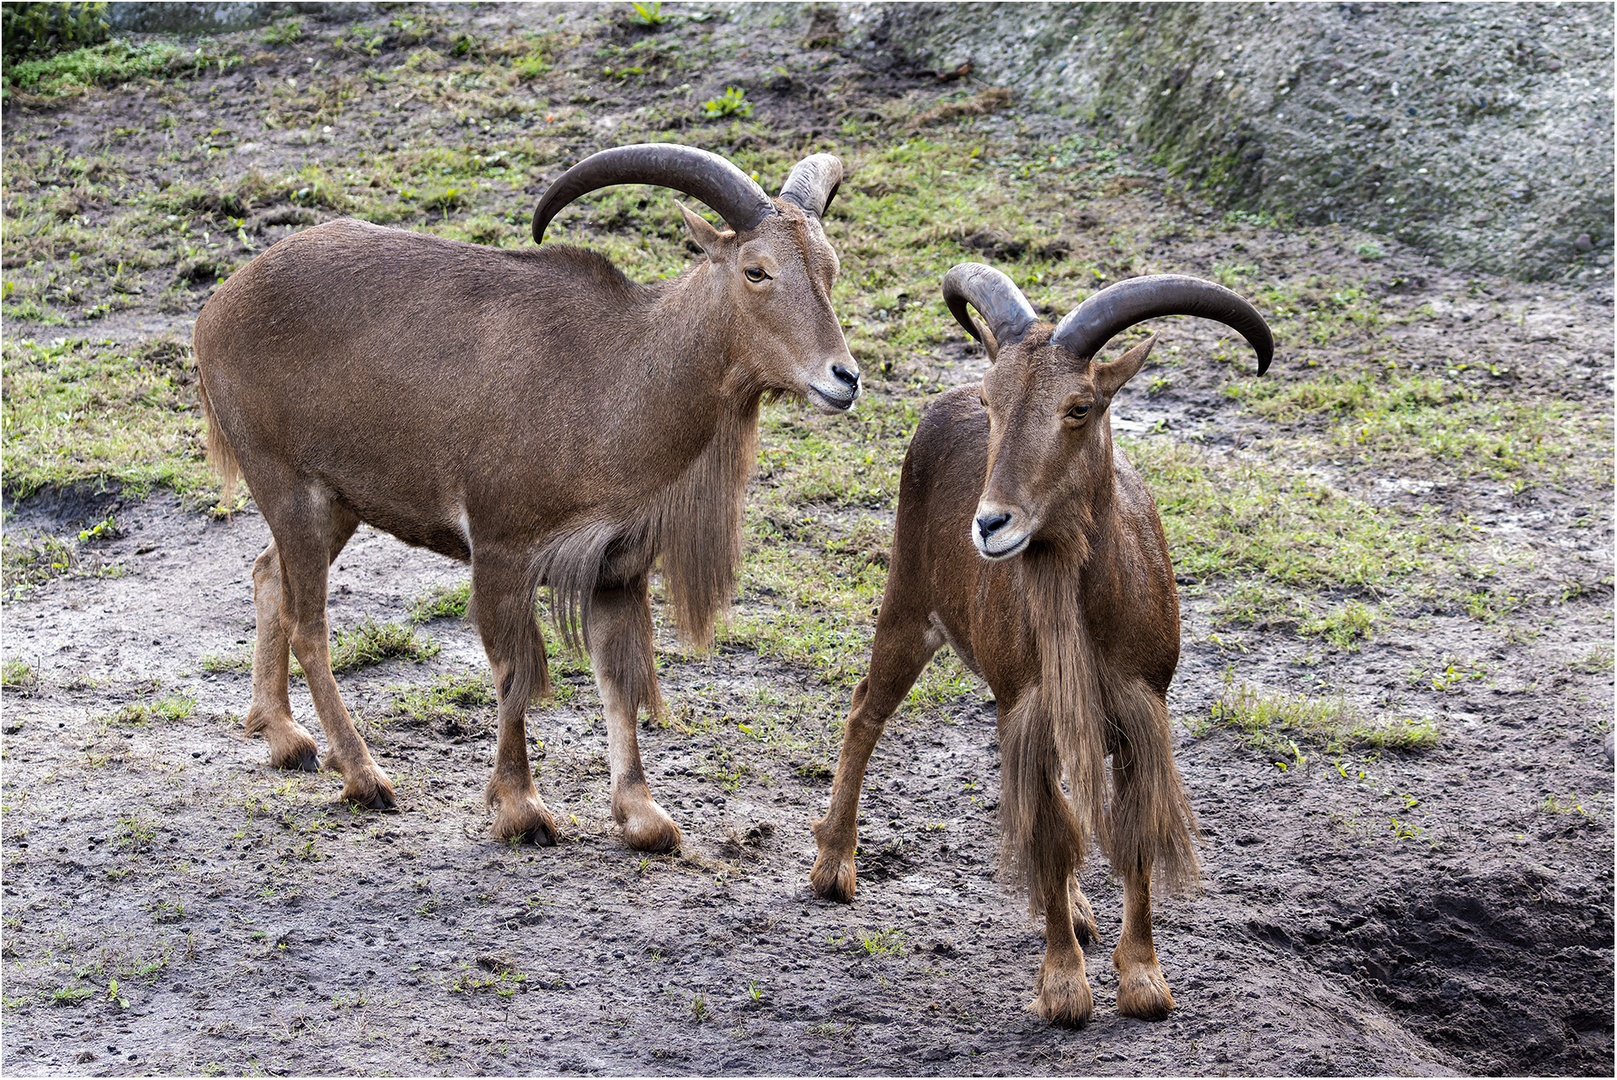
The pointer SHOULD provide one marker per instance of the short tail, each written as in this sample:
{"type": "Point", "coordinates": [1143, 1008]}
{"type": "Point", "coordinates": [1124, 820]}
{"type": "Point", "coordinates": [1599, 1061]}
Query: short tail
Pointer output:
{"type": "Point", "coordinates": [221, 455]}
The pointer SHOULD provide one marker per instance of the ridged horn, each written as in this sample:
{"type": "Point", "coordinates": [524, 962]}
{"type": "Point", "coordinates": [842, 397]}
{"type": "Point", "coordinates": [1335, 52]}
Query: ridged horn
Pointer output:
{"type": "Point", "coordinates": [813, 183]}
{"type": "Point", "coordinates": [697, 173]}
{"type": "Point", "coordinates": [1003, 307]}
{"type": "Point", "coordinates": [1117, 307]}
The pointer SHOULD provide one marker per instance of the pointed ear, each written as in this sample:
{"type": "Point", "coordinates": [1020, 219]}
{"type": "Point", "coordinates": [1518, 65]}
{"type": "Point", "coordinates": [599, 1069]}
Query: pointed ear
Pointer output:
{"type": "Point", "coordinates": [705, 235]}
{"type": "Point", "coordinates": [986, 336]}
{"type": "Point", "coordinates": [1109, 378]}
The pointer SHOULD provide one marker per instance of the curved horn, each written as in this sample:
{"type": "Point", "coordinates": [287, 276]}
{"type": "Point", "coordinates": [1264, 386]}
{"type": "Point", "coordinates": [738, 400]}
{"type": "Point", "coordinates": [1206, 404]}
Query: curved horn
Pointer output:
{"type": "Point", "coordinates": [813, 183]}
{"type": "Point", "coordinates": [1117, 307]}
{"type": "Point", "coordinates": [1003, 307]}
{"type": "Point", "coordinates": [697, 173]}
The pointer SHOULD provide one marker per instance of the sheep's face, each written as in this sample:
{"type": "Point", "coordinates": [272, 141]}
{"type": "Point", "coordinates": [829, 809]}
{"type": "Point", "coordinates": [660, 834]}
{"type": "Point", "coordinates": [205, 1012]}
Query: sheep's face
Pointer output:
{"type": "Point", "coordinates": [1049, 443]}
{"type": "Point", "coordinates": [777, 279]}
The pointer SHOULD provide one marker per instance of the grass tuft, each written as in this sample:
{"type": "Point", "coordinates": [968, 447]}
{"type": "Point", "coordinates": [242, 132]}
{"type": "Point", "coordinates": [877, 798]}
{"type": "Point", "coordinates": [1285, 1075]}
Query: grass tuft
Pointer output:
{"type": "Point", "coordinates": [171, 709]}
{"type": "Point", "coordinates": [374, 642]}
{"type": "Point", "coordinates": [443, 602]}
{"type": "Point", "coordinates": [446, 700]}
{"type": "Point", "coordinates": [1280, 723]}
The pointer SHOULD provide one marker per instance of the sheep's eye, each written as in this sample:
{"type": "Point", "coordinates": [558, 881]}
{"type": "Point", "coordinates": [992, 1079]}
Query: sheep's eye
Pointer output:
{"type": "Point", "coordinates": [983, 401]}
{"type": "Point", "coordinates": [755, 274]}
{"type": "Point", "coordinates": [1078, 412]}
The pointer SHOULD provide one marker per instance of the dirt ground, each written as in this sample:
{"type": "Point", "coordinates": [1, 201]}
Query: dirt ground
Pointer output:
{"type": "Point", "coordinates": [171, 905]}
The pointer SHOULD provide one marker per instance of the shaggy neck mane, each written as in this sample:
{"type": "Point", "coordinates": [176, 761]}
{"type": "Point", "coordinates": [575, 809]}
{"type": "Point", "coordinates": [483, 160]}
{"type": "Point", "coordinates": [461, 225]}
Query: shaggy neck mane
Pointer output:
{"type": "Point", "coordinates": [691, 526]}
{"type": "Point", "coordinates": [1059, 733]}
{"type": "Point", "coordinates": [1054, 736]}
{"type": "Point", "coordinates": [694, 526]}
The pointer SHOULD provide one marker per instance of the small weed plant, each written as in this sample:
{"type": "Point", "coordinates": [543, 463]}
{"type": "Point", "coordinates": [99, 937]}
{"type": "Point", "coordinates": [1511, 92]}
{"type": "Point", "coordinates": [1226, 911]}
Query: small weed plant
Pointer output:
{"type": "Point", "coordinates": [648, 15]}
{"type": "Point", "coordinates": [733, 102]}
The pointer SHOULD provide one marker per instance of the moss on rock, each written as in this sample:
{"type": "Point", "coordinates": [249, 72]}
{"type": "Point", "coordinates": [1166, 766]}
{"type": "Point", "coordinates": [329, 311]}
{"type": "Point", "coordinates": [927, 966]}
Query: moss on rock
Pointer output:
{"type": "Point", "coordinates": [1482, 134]}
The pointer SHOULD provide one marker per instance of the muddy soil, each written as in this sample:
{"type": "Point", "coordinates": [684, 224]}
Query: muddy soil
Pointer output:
{"type": "Point", "coordinates": [1435, 913]}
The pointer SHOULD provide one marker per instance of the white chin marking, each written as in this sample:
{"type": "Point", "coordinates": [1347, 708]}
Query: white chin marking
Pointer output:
{"type": "Point", "coordinates": [1003, 552]}
{"type": "Point", "coordinates": [830, 403]}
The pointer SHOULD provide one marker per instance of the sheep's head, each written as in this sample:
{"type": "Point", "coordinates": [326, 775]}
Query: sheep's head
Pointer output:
{"type": "Point", "coordinates": [773, 267]}
{"type": "Point", "coordinates": [1049, 435]}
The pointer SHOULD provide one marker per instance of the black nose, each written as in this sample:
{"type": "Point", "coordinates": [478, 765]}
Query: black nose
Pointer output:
{"type": "Point", "coordinates": [847, 378]}
{"type": "Point", "coordinates": [988, 526]}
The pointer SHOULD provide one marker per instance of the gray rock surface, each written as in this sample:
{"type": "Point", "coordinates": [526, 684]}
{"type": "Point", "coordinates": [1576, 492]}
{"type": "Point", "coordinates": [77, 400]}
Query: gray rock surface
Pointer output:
{"type": "Point", "coordinates": [218, 18]}
{"type": "Point", "coordinates": [1480, 132]}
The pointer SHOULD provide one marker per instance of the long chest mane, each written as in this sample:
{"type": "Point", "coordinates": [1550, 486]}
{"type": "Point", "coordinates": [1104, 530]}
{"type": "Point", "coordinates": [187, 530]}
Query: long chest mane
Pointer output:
{"type": "Point", "coordinates": [690, 527]}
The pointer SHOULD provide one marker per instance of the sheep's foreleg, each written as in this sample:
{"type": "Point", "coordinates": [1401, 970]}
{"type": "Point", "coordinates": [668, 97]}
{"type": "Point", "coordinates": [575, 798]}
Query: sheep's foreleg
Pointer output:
{"type": "Point", "coordinates": [502, 602]}
{"type": "Point", "coordinates": [901, 650]}
{"type": "Point", "coordinates": [1141, 990]}
{"type": "Point", "coordinates": [1061, 991]}
{"type": "Point", "coordinates": [621, 653]}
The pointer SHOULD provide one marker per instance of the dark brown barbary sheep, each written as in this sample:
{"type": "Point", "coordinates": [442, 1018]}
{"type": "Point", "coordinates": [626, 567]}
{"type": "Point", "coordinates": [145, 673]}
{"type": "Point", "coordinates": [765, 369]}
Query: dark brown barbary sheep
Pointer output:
{"type": "Point", "coordinates": [532, 412]}
{"type": "Point", "coordinates": [1029, 544]}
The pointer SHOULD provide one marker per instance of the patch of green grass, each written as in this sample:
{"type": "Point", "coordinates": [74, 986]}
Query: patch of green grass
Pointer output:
{"type": "Point", "coordinates": [1261, 605]}
{"type": "Point", "coordinates": [134, 833]}
{"type": "Point", "coordinates": [1486, 605]}
{"type": "Point", "coordinates": [170, 709]}
{"type": "Point", "coordinates": [1279, 723]}
{"type": "Point", "coordinates": [238, 661]}
{"type": "Point", "coordinates": [18, 675]}
{"type": "Point", "coordinates": [42, 29]}
{"type": "Point", "coordinates": [448, 698]}
{"type": "Point", "coordinates": [374, 642]}
{"type": "Point", "coordinates": [104, 414]}
{"type": "Point", "coordinates": [648, 14]}
{"type": "Point", "coordinates": [67, 995]}
{"type": "Point", "coordinates": [1452, 676]}
{"type": "Point", "coordinates": [884, 943]}
{"type": "Point", "coordinates": [28, 560]}
{"type": "Point", "coordinates": [945, 681]}
{"type": "Point", "coordinates": [1595, 662]}
{"type": "Point", "coordinates": [283, 31]}
{"type": "Point", "coordinates": [1390, 418]}
{"type": "Point", "coordinates": [807, 458]}
{"type": "Point", "coordinates": [443, 602]}
{"type": "Point", "coordinates": [1567, 804]}
{"type": "Point", "coordinates": [537, 59]}
{"type": "Point", "coordinates": [110, 63]}
{"type": "Point", "coordinates": [1227, 514]}
{"type": "Point", "coordinates": [503, 983]}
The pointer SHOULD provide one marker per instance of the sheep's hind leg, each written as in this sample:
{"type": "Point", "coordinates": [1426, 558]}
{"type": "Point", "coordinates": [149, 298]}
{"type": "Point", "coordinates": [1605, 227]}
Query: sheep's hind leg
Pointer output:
{"type": "Point", "coordinates": [290, 744]}
{"type": "Point", "coordinates": [621, 653]}
{"type": "Point", "coordinates": [1083, 916]}
{"type": "Point", "coordinates": [304, 532]}
{"type": "Point", "coordinates": [901, 650]}
{"type": "Point", "coordinates": [503, 605]}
